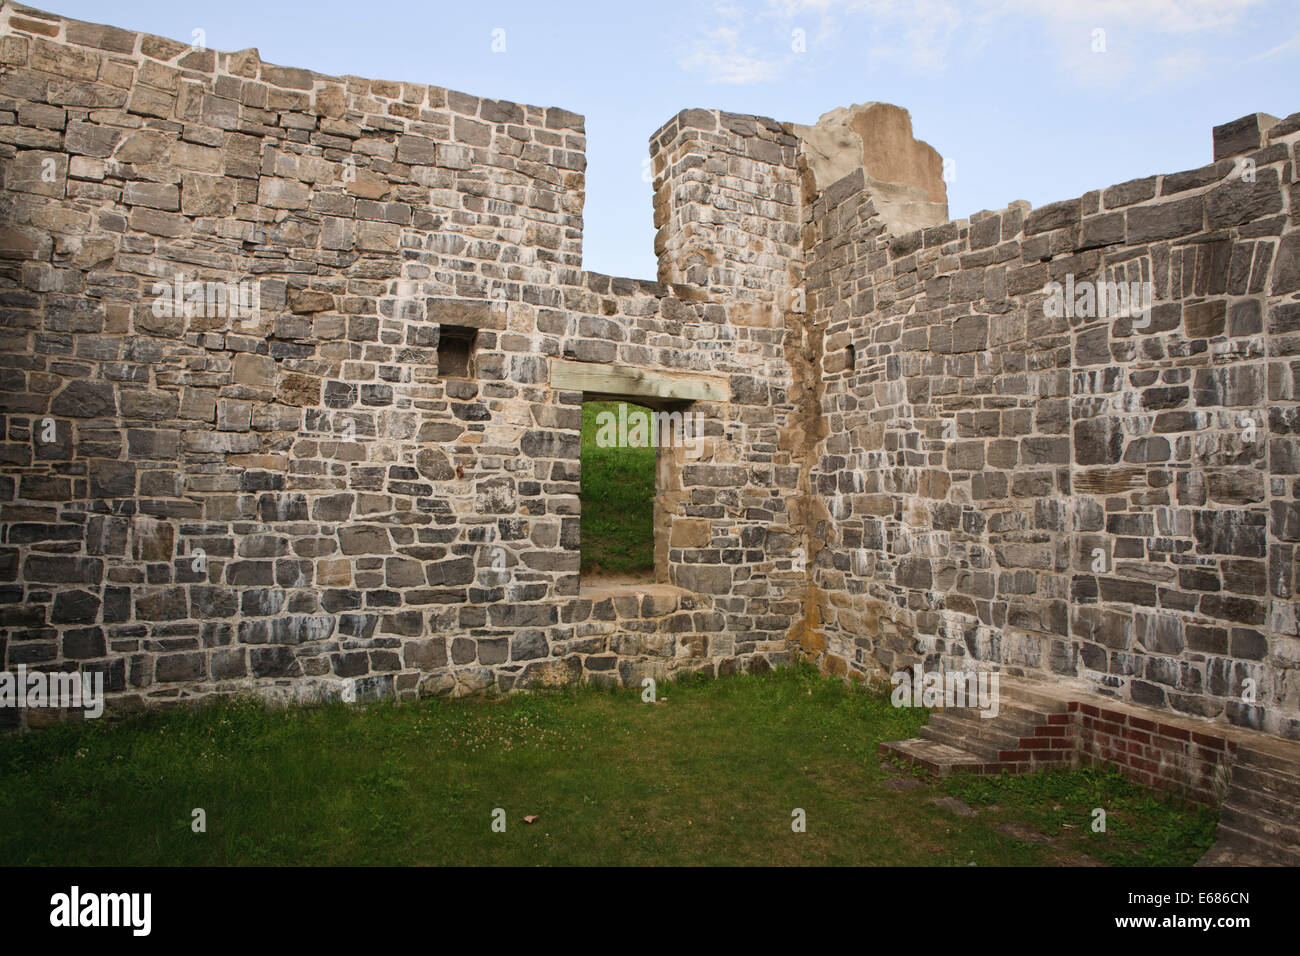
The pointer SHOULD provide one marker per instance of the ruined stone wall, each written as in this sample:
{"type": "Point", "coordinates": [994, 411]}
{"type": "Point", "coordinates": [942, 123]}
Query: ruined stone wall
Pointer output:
{"type": "Point", "coordinates": [1075, 497]}
{"type": "Point", "coordinates": [910, 459]}
{"type": "Point", "coordinates": [734, 518]}
{"type": "Point", "coordinates": [727, 209]}
{"type": "Point", "coordinates": [727, 205]}
{"type": "Point", "coordinates": [295, 501]}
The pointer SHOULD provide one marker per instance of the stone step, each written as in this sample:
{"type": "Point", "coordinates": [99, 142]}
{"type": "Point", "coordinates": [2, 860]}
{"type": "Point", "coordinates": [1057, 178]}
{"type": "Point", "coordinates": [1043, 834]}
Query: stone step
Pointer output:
{"type": "Point", "coordinates": [1262, 802]}
{"type": "Point", "coordinates": [1012, 728]}
{"type": "Point", "coordinates": [932, 756]}
{"type": "Point", "coordinates": [1281, 833]}
{"type": "Point", "coordinates": [1025, 694]}
{"type": "Point", "coordinates": [1225, 853]}
{"type": "Point", "coordinates": [1014, 720]}
{"type": "Point", "coordinates": [1280, 787]}
{"type": "Point", "coordinates": [1273, 763]}
{"type": "Point", "coordinates": [645, 601]}
{"type": "Point", "coordinates": [988, 732]}
{"type": "Point", "coordinates": [983, 749]}
{"type": "Point", "coordinates": [1244, 847]}
{"type": "Point", "coordinates": [1259, 822]}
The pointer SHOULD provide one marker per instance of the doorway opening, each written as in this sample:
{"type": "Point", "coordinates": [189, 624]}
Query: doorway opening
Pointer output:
{"type": "Point", "coordinates": [618, 493]}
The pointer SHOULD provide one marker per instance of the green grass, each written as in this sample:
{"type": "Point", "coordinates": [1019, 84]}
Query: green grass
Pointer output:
{"type": "Point", "coordinates": [618, 490]}
{"type": "Point", "coordinates": [710, 774]}
{"type": "Point", "coordinates": [1137, 821]}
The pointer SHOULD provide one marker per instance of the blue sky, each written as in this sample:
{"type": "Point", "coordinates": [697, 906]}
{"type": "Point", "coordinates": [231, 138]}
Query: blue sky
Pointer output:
{"type": "Point", "coordinates": [1010, 90]}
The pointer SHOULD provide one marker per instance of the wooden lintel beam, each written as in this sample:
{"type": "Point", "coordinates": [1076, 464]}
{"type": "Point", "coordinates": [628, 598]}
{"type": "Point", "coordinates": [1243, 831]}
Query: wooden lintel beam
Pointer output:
{"type": "Point", "coordinates": [625, 381]}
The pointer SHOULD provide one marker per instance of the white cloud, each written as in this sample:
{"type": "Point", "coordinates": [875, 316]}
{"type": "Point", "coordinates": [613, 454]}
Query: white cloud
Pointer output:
{"type": "Point", "coordinates": [1286, 46]}
{"type": "Point", "coordinates": [720, 54]}
{"type": "Point", "coordinates": [1175, 67]}
{"type": "Point", "coordinates": [750, 45]}
{"type": "Point", "coordinates": [918, 34]}
{"type": "Point", "coordinates": [1160, 16]}
{"type": "Point", "coordinates": [1130, 28]}
{"type": "Point", "coordinates": [745, 45]}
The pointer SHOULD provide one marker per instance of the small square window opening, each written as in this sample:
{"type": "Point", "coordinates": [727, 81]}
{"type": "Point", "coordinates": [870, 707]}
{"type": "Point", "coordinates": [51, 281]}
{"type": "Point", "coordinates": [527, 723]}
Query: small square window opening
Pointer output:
{"type": "Point", "coordinates": [456, 351]}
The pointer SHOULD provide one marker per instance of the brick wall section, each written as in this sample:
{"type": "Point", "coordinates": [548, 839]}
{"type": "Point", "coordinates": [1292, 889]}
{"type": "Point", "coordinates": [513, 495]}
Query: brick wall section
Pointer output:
{"type": "Point", "coordinates": [1190, 757]}
{"type": "Point", "coordinates": [1154, 753]}
{"type": "Point", "coordinates": [980, 451]}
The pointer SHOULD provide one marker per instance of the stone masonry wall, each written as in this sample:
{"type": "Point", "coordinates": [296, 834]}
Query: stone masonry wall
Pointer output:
{"type": "Point", "coordinates": [294, 502]}
{"type": "Point", "coordinates": [1073, 497]}
{"type": "Point", "coordinates": [914, 460]}
{"type": "Point", "coordinates": [727, 205]}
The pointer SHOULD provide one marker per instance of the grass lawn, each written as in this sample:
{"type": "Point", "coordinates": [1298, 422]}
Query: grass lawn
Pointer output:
{"type": "Point", "coordinates": [709, 774]}
{"type": "Point", "coordinates": [618, 490]}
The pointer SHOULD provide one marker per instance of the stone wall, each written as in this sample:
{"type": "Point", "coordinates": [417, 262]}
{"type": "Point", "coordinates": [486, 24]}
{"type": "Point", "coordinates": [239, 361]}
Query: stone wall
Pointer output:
{"type": "Point", "coordinates": [1074, 497]}
{"type": "Point", "coordinates": [727, 205]}
{"type": "Point", "coordinates": [906, 458]}
{"type": "Point", "coordinates": [295, 501]}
